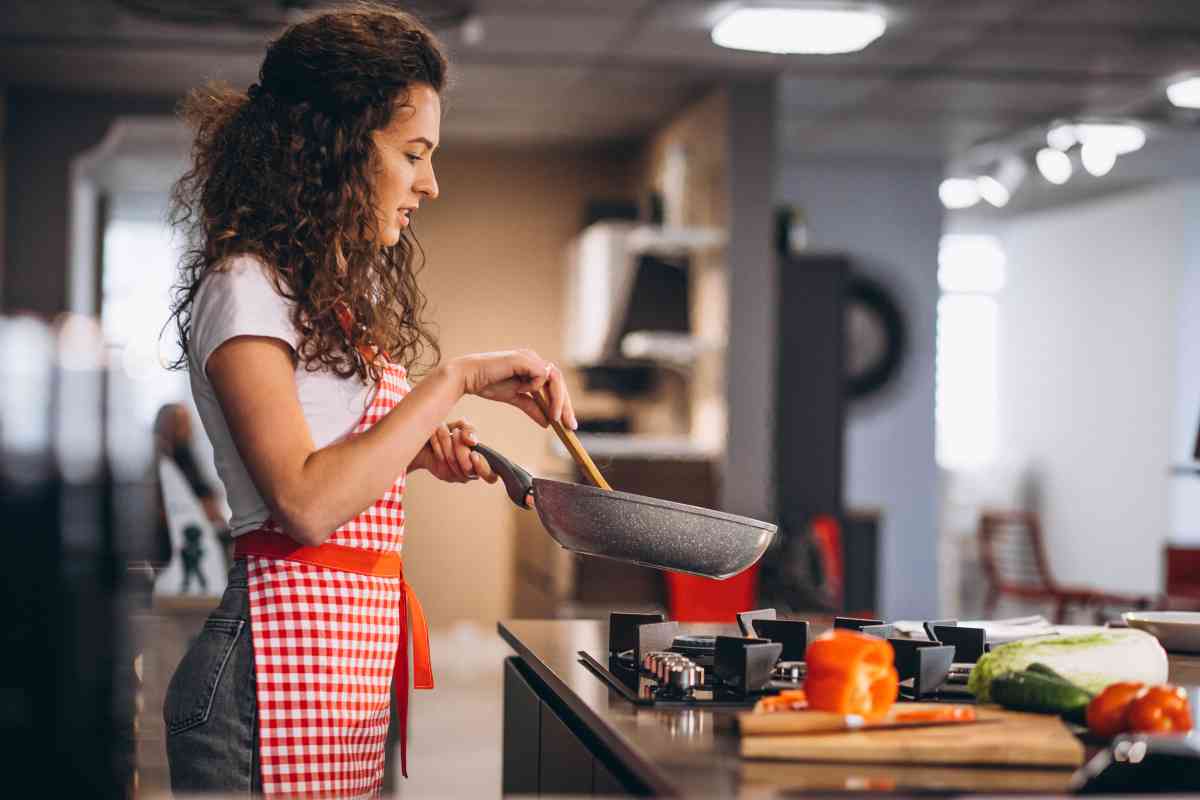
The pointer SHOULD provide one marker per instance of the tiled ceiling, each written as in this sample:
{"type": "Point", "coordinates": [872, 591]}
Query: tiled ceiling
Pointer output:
{"type": "Point", "coordinates": [946, 75]}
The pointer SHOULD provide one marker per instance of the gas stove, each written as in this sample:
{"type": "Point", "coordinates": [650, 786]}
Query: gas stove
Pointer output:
{"type": "Point", "coordinates": [651, 661]}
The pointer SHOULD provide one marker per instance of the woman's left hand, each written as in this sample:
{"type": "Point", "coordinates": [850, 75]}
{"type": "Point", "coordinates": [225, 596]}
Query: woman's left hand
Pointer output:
{"type": "Point", "coordinates": [448, 455]}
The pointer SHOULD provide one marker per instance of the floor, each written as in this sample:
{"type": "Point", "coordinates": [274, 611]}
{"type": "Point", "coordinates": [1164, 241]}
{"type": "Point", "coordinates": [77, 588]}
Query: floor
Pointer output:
{"type": "Point", "coordinates": [454, 740]}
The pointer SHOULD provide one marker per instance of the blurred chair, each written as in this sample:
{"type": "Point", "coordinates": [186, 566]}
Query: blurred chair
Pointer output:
{"type": "Point", "coordinates": [1182, 571]}
{"type": "Point", "coordinates": [1014, 563]}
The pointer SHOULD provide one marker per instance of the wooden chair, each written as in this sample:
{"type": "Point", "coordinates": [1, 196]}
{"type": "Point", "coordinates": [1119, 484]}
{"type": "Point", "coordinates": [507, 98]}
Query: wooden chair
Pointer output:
{"type": "Point", "coordinates": [1014, 563]}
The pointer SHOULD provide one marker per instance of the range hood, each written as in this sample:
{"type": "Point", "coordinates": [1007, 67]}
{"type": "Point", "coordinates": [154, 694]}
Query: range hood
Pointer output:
{"type": "Point", "coordinates": [627, 294]}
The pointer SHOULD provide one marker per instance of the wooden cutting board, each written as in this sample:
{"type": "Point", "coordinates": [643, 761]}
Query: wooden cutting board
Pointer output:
{"type": "Point", "coordinates": [1014, 738]}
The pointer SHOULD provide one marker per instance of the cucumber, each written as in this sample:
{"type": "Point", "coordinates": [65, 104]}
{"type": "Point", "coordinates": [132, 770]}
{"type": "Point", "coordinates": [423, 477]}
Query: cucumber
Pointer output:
{"type": "Point", "coordinates": [1034, 690]}
{"type": "Point", "coordinates": [1049, 672]}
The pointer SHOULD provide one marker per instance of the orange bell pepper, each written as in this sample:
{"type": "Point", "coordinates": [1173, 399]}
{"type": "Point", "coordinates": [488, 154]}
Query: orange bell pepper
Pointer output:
{"type": "Point", "coordinates": [851, 673]}
{"type": "Point", "coordinates": [1160, 709]}
{"type": "Point", "coordinates": [1107, 713]}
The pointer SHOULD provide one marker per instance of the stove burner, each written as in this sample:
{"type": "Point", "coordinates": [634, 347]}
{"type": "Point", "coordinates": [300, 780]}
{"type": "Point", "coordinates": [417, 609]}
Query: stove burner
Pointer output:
{"type": "Point", "coordinates": [698, 645]}
{"type": "Point", "coordinates": [651, 663]}
{"type": "Point", "coordinates": [789, 671]}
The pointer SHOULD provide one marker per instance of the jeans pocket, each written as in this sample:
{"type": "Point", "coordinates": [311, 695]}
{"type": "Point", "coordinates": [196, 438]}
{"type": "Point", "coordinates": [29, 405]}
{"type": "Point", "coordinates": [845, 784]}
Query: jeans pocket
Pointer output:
{"type": "Point", "coordinates": [194, 684]}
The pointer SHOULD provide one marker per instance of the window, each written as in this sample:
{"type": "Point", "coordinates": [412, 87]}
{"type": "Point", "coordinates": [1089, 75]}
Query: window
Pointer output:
{"type": "Point", "coordinates": [971, 271]}
{"type": "Point", "coordinates": [140, 266]}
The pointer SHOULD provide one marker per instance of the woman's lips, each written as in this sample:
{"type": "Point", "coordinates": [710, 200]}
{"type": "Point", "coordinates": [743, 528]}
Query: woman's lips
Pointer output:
{"type": "Point", "coordinates": [406, 215]}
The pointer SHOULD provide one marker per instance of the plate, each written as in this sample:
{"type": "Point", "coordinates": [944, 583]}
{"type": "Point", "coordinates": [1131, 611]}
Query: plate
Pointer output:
{"type": "Point", "coordinates": [1179, 631]}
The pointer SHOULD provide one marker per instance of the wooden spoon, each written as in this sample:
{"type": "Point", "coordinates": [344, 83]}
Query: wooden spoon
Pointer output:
{"type": "Point", "coordinates": [571, 442]}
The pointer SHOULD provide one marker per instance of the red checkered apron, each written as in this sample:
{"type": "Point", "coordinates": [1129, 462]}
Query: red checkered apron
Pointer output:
{"type": "Point", "coordinates": [330, 626]}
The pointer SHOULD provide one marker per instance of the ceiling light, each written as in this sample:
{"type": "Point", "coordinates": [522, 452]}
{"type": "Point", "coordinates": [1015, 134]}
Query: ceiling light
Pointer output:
{"type": "Point", "coordinates": [1061, 137]}
{"type": "Point", "coordinates": [1119, 137]}
{"type": "Point", "coordinates": [1185, 93]}
{"type": "Point", "coordinates": [956, 193]}
{"type": "Point", "coordinates": [993, 191]}
{"type": "Point", "coordinates": [1055, 165]}
{"type": "Point", "coordinates": [472, 30]}
{"type": "Point", "coordinates": [820, 31]}
{"type": "Point", "coordinates": [1097, 158]}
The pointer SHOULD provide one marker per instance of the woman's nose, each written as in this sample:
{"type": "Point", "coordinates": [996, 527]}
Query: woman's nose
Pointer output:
{"type": "Point", "coordinates": [427, 185]}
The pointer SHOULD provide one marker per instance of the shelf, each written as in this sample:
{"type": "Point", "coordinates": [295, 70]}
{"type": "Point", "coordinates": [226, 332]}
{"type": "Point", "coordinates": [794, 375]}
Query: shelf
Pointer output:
{"type": "Point", "coordinates": [619, 445]}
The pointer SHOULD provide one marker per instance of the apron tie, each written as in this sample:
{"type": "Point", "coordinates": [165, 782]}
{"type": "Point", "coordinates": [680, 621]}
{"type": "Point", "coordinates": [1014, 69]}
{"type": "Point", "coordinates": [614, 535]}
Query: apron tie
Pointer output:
{"type": "Point", "coordinates": [268, 544]}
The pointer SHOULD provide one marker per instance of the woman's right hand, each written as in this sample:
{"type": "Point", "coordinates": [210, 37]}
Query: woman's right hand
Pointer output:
{"type": "Point", "coordinates": [510, 376]}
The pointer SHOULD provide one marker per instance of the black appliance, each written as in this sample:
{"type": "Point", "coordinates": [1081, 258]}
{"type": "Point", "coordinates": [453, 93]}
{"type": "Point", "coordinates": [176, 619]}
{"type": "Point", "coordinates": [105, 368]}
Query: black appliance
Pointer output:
{"type": "Point", "coordinates": [652, 661]}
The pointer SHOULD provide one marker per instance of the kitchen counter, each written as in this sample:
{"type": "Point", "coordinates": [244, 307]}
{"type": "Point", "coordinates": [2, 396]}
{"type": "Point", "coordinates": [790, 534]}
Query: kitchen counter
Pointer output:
{"type": "Point", "coordinates": [690, 752]}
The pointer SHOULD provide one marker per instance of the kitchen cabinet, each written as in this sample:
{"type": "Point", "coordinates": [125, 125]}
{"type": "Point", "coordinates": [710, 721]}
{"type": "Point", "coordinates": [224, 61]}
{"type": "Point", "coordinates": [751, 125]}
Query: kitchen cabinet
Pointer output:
{"type": "Point", "coordinates": [545, 751]}
{"type": "Point", "coordinates": [604, 783]}
{"type": "Point", "coordinates": [607, 288]}
{"type": "Point", "coordinates": [565, 764]}
{"type": "Point", "coordinates": [522, 733]}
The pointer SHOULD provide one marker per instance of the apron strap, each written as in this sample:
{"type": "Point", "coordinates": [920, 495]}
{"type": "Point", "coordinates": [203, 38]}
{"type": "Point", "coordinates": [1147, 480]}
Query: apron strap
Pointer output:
{"type": "Point", "coordinates": [346, 321]}
{"type": "Point", "coordinates": [422, 664]}
{"type": "Point", "coordinates": [410, 606]}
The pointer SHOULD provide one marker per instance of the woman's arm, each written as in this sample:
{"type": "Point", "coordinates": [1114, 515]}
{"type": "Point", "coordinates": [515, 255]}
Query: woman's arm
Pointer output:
{"type": "Point", "coordinates": [312, 491]}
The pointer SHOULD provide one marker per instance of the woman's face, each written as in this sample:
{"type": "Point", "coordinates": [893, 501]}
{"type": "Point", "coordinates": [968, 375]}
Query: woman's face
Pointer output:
{"type": "Point", "coordinates": [405, 156]}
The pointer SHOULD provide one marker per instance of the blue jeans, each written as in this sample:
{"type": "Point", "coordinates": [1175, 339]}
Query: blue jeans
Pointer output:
{"type": "Point", "coordinates": [211, 711]}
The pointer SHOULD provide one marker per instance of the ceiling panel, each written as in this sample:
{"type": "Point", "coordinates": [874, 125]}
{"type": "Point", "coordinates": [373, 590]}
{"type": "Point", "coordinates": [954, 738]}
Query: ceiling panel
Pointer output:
{"type": "Point", "coordinates": [881, 137]}
{"type": "Point", "coordinates": [801, 95]}
{"type": "Point", "coordinates": [574, 37]}
{"type": "Point", "coordinates": [967, 98]}
{"type": "Point", "coordinates": [562, 7]}
{"type": "Point", "coordinates": [473, 84]}
{"type": "Point", "coordinates": [1131, 13]}
{"type": "Point", "coordinates": [946, 74]}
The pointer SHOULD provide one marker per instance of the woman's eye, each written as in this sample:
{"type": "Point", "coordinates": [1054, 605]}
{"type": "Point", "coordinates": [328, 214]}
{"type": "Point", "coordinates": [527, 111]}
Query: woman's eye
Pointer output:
{"type": "Point", "coordinates": [413, 157]}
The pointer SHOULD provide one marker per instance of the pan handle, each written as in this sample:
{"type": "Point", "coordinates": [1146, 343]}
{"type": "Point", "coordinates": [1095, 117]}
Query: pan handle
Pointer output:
{"type": "Point", "coordinates": [517, 481]}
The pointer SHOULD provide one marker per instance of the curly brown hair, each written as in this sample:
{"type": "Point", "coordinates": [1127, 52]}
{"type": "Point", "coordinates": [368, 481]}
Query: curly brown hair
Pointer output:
{"type": "Point", "coordinates": [284, 172]}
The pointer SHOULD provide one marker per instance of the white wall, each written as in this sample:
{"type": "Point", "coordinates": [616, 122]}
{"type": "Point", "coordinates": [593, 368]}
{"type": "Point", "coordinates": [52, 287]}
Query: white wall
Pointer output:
{"type": "Point", "coordinates": [886, 216]}
{"type": "Point", "coordinates": [1087, 363]}
{"type": "Point", "coordinates": [1184, 526]}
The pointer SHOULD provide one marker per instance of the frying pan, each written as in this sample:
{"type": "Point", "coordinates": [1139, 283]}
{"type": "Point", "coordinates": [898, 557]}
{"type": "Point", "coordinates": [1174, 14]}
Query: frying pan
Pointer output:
{"type": "Point", "coordinates": [629, 527]}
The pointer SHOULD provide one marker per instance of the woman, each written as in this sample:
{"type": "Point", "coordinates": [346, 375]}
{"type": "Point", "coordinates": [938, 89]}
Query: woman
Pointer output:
{"type": "Point", "coordinates": [298, 312]}
{"type": "Point", "coordinates": [173, 442]}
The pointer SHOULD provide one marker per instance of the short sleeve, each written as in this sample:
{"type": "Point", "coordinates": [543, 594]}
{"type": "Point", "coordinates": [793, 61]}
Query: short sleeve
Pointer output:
{"type": "Point", "coordinates": [240, 300]}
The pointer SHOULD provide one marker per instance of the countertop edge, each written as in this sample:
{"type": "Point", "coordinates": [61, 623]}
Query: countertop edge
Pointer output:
{"type": "Point", "coordinates": [643, 770]}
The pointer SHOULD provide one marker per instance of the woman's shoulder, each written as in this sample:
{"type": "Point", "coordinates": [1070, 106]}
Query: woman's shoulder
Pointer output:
{"type": "Point", "coordinates": [244, 275]}
{"type": "Point", "coordinates": [239, 297]}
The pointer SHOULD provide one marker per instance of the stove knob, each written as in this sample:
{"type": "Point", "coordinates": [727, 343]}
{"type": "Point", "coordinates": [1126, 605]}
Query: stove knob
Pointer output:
{"type": "Point", "coordinates": [682, 678]}
{"type": "Point", "coordinates": [650, 660]}
{"type": "Point", "coordinates": [789, 671]}
{"type": "Point", "coordinates": [665, 665]}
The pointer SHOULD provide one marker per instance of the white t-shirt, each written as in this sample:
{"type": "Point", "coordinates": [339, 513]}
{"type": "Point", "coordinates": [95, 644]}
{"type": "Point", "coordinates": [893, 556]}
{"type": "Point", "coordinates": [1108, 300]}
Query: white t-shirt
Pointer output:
{"type": "Point", "coordinates": [242, 301]}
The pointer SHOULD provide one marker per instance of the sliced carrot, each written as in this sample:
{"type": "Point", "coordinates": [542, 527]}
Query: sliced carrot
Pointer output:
{"type": "Point", "coordinates": [947, 714]}
{"type": "Point", "coordinates": [787, 700]}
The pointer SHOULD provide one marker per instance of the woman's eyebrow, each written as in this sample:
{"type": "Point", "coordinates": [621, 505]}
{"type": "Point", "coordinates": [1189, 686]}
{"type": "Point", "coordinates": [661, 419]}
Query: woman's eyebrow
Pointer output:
{"type": "Point", "coordinates": [422, 140]}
